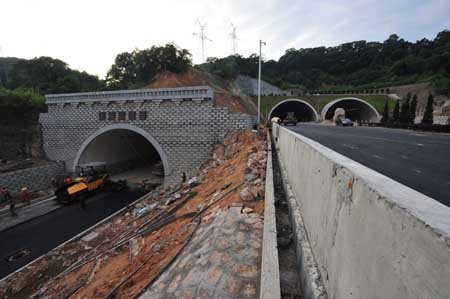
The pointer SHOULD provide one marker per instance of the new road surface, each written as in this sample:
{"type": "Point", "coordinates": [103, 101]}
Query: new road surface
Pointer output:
{"type": "Point", "coordinates": [39, 235]}
{"type": "Point", "coordinates": [419, 160]}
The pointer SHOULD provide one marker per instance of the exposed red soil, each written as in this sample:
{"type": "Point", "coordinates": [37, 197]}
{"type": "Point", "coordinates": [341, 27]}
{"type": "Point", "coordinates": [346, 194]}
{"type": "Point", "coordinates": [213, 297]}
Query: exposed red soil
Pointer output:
{"type": "Point", "coordinates": [103, 271]}
{"type": "Point", "coordinates": [222, 95]}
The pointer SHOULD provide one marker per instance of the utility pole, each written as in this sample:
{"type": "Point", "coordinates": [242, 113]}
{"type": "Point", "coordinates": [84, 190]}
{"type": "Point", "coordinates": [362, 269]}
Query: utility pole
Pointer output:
{"type": "Point", "coordinates": [233, 39]}
{"type": "Point", "coordinates": [258, 119]}
{"type": "Point", "coordinates": [202, 36]}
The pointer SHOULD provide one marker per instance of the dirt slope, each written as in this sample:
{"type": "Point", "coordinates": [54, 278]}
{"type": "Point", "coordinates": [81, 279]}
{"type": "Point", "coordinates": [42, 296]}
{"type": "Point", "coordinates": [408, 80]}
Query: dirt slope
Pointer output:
{"type": "Point", "coordinates": [222, 95]}
{"type": "Point", "coordinates": [122, 256]}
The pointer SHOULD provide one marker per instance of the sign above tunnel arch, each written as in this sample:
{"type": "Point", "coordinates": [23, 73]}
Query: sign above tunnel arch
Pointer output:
{"type": "Point", "coordinates": [195, 93]}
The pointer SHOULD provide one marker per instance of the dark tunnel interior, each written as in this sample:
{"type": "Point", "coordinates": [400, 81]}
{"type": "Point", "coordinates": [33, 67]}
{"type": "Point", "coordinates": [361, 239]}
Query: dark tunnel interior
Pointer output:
{"type": "Point", "coordinates": [303, 112]}
{"type": "Point", "coordinates": [354, 110]}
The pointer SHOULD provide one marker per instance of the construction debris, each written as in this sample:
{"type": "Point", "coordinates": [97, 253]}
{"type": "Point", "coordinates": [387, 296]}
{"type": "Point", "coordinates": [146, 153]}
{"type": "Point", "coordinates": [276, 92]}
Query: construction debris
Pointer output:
{"type": "Point", "coordinates": [120, 258]}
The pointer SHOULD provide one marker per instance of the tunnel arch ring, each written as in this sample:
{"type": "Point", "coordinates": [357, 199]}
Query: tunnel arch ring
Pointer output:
{"type": "Point", "coordinates": [316, 115]}
{"type": "Point", "coordinates": [330, 104]}
{"type": "Point", "coordinates": [128, 127]}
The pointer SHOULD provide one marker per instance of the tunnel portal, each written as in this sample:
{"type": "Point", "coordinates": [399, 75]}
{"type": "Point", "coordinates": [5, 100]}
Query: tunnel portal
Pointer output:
{"type": "Point", "coordinates": [303, 111]}
{"type": "Point", "coordinates": [355, 109]}
{"type": "Point", "coordinates": [126, 155]}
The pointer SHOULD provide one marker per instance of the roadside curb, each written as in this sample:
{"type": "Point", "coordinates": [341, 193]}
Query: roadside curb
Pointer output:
{"type": "Point", "coordinates": [311, 283]}
{"type": "Point", "coordinates": [86, 231]}
{"type": "Point", "coordinates": [270, 272]}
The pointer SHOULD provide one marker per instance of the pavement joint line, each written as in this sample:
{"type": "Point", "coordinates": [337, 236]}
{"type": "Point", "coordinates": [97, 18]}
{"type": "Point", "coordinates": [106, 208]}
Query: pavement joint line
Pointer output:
{"type": "Point", "coordinates": [77, 236]}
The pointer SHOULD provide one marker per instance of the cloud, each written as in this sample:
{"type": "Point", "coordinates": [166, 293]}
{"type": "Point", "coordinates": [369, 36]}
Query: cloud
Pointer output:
{"type": "Point", "coordinates": [88, 34]}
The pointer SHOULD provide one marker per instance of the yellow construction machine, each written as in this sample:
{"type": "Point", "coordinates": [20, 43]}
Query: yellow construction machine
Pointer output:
{"type": "Point", "coordinates": [90, 180]}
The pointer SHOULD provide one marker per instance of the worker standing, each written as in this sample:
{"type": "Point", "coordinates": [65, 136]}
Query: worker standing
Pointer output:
{"type": "Point", "coordinates": [7, 197]}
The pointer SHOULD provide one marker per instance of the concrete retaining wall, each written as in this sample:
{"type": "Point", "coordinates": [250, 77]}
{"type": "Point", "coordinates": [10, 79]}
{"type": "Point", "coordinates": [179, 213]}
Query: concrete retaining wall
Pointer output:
{"type": "Point", "coordinates": [34, 178]}
{"type": "Point", "coordinates": [371, 236]}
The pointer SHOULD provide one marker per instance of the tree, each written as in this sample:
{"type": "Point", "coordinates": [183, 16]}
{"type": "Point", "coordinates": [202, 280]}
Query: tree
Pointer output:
{"type": "Point", "coordinates": [428, 114]}
{"type": "Point", "coordinates": [138, 68]}
{"type": "Point", "coordinates": [404, 114]}
{"type": "Point", "coordinates": [385, 118]}
{"type": "Point", "coordinates": [412, 110]}
{"type": "Point", "coordinates": [396, 112]}
{"type": "Point", "coordinates": [49, 75]}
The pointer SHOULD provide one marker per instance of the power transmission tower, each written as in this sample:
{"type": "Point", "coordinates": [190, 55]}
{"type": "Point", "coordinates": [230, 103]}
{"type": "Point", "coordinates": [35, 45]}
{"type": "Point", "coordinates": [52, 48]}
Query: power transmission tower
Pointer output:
{"type": "Point", "coordinates": [234, 39]}
{"type": "Point", "coordinates": [202, 36]}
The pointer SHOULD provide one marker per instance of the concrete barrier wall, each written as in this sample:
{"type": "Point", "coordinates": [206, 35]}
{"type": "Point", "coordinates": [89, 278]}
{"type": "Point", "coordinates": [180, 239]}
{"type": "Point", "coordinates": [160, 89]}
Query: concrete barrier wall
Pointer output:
{"type": "Point", "coordinates": [371, 236]}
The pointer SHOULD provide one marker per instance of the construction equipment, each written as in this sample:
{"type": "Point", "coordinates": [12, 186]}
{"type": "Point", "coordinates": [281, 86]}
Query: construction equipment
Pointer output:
{"type": "Point", "coordinates": [92, 178]}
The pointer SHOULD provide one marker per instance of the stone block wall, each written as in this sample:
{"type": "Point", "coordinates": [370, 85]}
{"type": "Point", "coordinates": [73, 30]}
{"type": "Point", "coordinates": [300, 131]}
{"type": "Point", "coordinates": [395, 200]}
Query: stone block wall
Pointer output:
{"type": "Point", "coordinates": [34, 178]}
{"type": "Point", "coordinates": [185, 129]}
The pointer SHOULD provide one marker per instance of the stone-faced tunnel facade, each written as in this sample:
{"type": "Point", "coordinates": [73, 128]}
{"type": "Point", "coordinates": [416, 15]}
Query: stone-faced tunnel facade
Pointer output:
{"type": "Point", "coordinates": [182, 124]}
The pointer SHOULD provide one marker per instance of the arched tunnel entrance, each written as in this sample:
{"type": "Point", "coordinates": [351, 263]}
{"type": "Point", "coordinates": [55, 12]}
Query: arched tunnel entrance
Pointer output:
{"type": "Point", "coordinates": [303, 111]}
{"type": "Point", "coordinates": [355, 109]}
{"type": "Point", "coordinates": [127, 153]}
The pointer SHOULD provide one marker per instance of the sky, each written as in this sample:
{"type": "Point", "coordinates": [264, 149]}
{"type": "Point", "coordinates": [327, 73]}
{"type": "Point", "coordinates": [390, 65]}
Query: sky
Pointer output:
{"type": "Point", "coordinates": [88, 34]}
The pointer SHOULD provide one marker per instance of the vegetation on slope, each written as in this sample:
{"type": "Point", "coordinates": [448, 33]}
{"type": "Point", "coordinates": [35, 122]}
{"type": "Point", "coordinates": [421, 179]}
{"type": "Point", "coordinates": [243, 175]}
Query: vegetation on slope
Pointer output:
{"type": "Point", "coordinates": [46, 75]}
{"type": "Point", "coordinates": [354, 64]}
{"type": "Point", "coordinates": [138, 68]}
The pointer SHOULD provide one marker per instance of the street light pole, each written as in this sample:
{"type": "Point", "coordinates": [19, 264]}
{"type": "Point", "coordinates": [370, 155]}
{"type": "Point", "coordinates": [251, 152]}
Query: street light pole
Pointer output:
{"type": "Point", "coordinates": [258, 119]}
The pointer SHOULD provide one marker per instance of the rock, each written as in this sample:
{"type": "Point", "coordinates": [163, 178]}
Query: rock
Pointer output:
{"type": "Point", "coordinates": [156, 247]}
{"type": "Point", "coordinates": [226, 185]}
{"type": "Point", "coordinates": [141, 211]}
{"type": "Point", "coordinates": [254, 191]}
{"type": "Point", "coordinates": [246, 195]}
{"type": "Point", "coordinates": [247, 170]}
{"type": "Point", "coordinates": [90, 237]}
{"type": "Point", "coordinates": [177, 196]}
{"type": "Point", "coordinates": [257, 191]}
{"type": "Point", "coordinates": [247, 210]}
{"type": "Point", "coordinates": [257, 182]}
{"type": "Point", "coordinates": [194, 182]}
{"type": "Point", "coordinates": [261, 191]}
{"type": "Point", "coordinates": [169, 201]}
{"type": "Point", "coordinates": [250, 177]}
{"type": "Point", "coordinates": [219, 152]}
{"type": "Point", "coordinates": [186, 191]}
{"type": "Point", "coordinates": [230, 151]}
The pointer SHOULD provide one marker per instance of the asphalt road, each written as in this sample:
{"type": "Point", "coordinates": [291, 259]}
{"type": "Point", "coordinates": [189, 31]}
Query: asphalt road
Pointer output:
{"type": "Point", "coordinates": [44, 233]}
{"type": "Point", "coordinates": [419, 160]}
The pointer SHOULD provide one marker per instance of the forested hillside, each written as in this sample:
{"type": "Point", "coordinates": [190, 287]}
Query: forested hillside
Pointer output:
{"type": "Point", "coordinates": [355, 64]}
{"type": "Point", "coordinates": [45, 75]}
